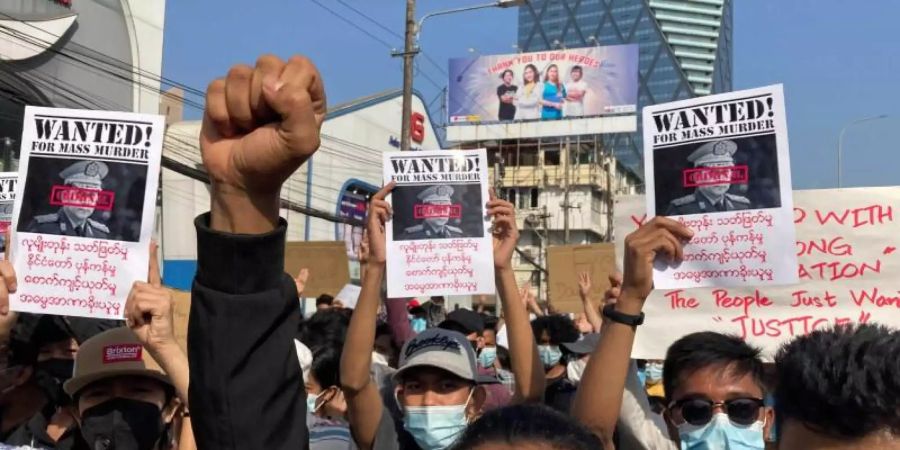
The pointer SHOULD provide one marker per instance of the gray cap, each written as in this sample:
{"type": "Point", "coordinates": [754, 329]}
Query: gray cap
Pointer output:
{"type": "Point", "coordinates": [442, 349]}
{"type": "Point", "coordinates": [584, 345]}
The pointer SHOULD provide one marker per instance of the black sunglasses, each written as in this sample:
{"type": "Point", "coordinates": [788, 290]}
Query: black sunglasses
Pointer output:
{"type": "Point", "coordinates": [699, 411]}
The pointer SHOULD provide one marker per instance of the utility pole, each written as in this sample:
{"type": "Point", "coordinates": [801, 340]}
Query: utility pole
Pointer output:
{"type": "Point", "coordinates": [565, 205]}
{"type": "Point", "coordinates": [610, 200]}
{"type": "Point", "coordinates": [409, 52]}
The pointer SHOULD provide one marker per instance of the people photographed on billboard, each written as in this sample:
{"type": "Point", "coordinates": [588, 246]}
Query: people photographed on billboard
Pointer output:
{"type": "Point", "coordinates": [576, 89]}
{"type": "Point", "coordinates": [506, 92]}
{"type": "Point", "coordinates": [529, 100]}
{"type": "Point", "coordinates": [554, 93]}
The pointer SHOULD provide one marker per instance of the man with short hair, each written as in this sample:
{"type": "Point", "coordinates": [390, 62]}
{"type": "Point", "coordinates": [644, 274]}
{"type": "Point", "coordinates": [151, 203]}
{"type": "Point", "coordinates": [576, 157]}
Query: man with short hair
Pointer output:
{"type": "Point", "coordinates": [711, 196]}
{"type": "Point", "coordinates": [839, 389]}
{"type": "Point", "coordinates": [324, 302]}
{"type": "Point", "coordinates": [73, 219]}
{"type": "Point", "coordinates": [713, 382]}
{"type": "Point", "coordinates": [576, 89]}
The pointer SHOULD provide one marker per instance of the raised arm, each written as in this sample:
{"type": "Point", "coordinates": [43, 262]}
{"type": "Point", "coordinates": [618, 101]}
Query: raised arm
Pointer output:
{"type": "Point", "coordinates": [260, 124]}
{"type": "Point", "coordinates": [363, 399]}
{"type": "Point", "coordinates": [590, 311]}
{"type": "Point", "coordinates": [149, 313]}
{"type": "Point", "coordinates": [526, 365]}
{"type": "Point", "coordinates": [599, 398]}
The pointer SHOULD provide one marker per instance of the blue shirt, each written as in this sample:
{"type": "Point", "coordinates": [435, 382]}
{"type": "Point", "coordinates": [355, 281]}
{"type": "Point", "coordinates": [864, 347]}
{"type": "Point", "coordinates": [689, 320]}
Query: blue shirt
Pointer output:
{"type": "Point", "coordinates": [552, 94]}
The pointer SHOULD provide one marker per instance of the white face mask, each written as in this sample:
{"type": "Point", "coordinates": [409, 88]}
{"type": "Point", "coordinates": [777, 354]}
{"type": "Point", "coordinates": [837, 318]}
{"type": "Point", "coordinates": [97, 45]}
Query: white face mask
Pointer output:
{"type": "Point", "coordinates": [436, 427]}
{"type": "Point", "coordinates": [575, 370]}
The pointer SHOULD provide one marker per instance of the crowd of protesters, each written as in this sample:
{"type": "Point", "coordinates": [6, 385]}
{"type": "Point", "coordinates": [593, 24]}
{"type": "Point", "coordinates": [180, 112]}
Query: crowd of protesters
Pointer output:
{"type": "Point", "coordinates": [407, 373]}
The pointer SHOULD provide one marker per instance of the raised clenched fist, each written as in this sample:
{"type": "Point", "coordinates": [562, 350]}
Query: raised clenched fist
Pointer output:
{"type": "Point", "coordinates": [261, 123]}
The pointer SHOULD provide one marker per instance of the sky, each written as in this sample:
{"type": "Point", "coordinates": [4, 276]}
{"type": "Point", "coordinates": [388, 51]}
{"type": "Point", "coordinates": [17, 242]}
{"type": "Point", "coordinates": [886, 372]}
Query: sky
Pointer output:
{"type": "Point", "coordinates": [838, 63]}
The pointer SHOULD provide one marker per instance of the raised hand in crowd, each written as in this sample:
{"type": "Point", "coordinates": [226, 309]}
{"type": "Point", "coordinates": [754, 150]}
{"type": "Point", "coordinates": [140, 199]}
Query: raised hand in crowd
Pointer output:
{"type": "Point", "coordinates": [598, 401]}
{"type": "Point", "coordinates": [526, 364]}
{"type": "Point", "coordinates": [591, 313]}
{"type": "Point", "coordinates": [150, 313]}
{"type": "Point", "coordinates": [300, 281]}
{"type": "Point", "coordinates": [260, 124]}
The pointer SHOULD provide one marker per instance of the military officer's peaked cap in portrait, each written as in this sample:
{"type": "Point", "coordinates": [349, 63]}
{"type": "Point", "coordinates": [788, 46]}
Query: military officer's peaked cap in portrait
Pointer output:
{"type": "Point", "coordinates": [85, 172]}
{"type": "Point", "coordinates": [714, 152]}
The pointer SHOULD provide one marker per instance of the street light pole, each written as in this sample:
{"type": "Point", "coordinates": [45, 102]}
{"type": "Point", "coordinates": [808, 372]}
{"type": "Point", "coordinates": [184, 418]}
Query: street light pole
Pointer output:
{"type": "Point", "coordinates": [841, 144]}
{"type": "Point", "coordinates": [411, 49]}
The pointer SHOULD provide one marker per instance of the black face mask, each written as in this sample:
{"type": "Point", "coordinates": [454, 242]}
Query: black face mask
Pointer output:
{"type": "Point", "coordinates": [50, 376]}
{"type": "Point", "coordinates": [122, 424]}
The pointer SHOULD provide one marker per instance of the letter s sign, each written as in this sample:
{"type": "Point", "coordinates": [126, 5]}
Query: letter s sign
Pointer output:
{"type": "Point", "coordinates": [417, 127]}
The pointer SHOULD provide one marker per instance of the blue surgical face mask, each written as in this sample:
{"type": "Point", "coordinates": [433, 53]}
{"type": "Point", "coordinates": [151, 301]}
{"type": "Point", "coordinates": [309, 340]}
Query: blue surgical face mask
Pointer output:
{"type": "Point", "coordinates": [487, 357]}
{"type": "Point", "coordinates": [642, 376]}
{"type": "Point", "coordinates": [721, 434]}
{"type": "Point", "coordinates": [435, 427]}
{"type": "Point", "coordinates": [654, 372]}
{"type": "Point", "coordinates": [311, 403]}
{"type": "Point", "coordinates": [418, 324]}
{"type": "Point", "coordinates": [550, 355]}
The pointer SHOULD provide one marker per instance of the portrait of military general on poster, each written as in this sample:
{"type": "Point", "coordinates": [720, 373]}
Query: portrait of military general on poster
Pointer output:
{"type": "Point", "coordinates": [84, 209]}
{"type": "Point", "coordinates": [720, 165]}
{"type": "Point", "coordinates": [438, 238]}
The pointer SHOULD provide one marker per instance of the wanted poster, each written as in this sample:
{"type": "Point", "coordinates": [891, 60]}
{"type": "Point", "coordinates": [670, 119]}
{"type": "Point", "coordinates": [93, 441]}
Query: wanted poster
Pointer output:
{"type": "Point", "coordinates": [84, 211]}
{"type": "Point", "coordinates": [438, 240]}
{"type": "Point", "coordinates": [7, 197]}
{"type": "Point", "coordinates": [720, 165]}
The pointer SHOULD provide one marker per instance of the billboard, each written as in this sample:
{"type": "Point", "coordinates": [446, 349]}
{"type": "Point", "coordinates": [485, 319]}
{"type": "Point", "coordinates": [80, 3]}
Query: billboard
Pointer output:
{"type": "Point", "coordinates": [547, 85]}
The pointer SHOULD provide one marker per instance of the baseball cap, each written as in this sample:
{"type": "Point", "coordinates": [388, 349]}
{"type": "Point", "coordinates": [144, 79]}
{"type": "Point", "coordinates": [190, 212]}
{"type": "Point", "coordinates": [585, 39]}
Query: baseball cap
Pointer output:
{"type": "Point", "coordinates": [112, 353]}
{"type": "Point", "coordinates": [442, 349]}
{"type": "Point", "coordinates": [584, 345]}
{"type": "Point", "coordinates": [463, 320]}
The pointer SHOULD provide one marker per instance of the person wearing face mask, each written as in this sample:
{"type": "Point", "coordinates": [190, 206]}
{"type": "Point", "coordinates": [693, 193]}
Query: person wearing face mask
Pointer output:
{"type": "Point", "coordinates": [438, 389]}
{"type": "Point", "coordinates": [580, 352]}
{"type": "Point", "coordinates": [325, 404]}
{"type": "Point", "coordinates": [551, 332]}
{"type": "Point", "coordinates": [122, 398]}
{"type": "Point", "coordinates": [472, 325]}
{"type": "Point", "coordinates": [654, 378]}
{"type": "Point", "coordinates": [55, 339]}
{"type": "Point", "coordinates": [714, 383]}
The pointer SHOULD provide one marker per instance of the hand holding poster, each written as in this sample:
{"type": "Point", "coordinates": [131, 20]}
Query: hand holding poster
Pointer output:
{"type": "Point", "coordinates": [439, 239]}
{"type": "Point", "coordinates": [84, 211]}
{"type": "Point", "coordinates": [719, 165]}
{"type": "Point", "coordinates": [849, 271]}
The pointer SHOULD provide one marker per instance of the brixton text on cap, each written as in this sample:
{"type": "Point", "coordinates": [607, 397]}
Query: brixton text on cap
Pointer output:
{"type": "Point", "coordinates": [112, 353]}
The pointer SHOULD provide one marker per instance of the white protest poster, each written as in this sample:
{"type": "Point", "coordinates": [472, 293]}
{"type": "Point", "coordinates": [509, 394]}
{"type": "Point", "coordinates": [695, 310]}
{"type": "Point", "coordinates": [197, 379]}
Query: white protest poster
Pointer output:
{"type": "Point", "coordinates": [84, 209]}
{"type": "Point", "coordinates": [349, 295]}
{"type": "Point", "coordinates": [719, 164]}
{"type": "Point", "coordinates": [439, 239]}
{"type": "Point", "coordinates": [7, 198]}
{"type": "Point", "coordinates": [848, 247]}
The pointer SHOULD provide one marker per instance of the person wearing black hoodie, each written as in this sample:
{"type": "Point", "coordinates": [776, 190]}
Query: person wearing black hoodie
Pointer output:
{"type": "Point", "coordinates": [246, 391]}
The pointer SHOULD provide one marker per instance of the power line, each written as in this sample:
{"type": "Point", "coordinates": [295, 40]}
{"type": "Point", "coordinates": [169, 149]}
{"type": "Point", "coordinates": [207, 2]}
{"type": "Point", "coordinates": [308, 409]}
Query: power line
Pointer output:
{"type": "Point", "coordinates": [364, 16]}
{"type": "Point", "coordinates": [352, 24]}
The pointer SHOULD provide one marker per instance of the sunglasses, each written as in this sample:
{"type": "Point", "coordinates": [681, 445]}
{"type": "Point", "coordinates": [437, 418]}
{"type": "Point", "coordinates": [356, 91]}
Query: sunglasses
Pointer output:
{"type": "Point", "coordinates": [699, 411]}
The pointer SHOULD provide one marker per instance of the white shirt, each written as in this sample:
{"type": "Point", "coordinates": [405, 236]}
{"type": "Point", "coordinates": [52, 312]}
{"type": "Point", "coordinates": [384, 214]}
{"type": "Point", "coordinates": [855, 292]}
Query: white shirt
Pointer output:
{"type": "Point", "coordinates": [575, 108]}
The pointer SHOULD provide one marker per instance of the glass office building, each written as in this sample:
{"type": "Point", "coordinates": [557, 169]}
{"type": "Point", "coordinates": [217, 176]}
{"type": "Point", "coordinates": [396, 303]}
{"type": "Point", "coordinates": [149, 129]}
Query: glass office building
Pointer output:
{"type": "Point", "coordinates": [685, 47]}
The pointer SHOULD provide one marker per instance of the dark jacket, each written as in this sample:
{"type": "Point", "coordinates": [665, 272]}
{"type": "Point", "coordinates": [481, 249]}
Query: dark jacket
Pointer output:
{"type": "Point", "coordinates": [246, 389]}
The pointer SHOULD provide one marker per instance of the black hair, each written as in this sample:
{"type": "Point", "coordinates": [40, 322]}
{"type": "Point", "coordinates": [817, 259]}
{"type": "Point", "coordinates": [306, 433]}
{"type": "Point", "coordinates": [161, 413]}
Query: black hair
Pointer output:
{"type": "Point", "coordinates": [503, 74]}
{"type": "Point", "coordinates": [708, 349]}
{"type": "Point", "coordinates": [534, 424]}
{"type": "Point", "coordinates": [326, 366]}
{"type": "Point", "coordinates": [325, 328]}
{"type": "Point", "coordinates": [559, 327]}
{"type": "Point", "coordinates": [490, 322]}
{"type": "Point", "coordinates": [503, 357]}
{"type": "Point", "coordinates": [842, 382]}
{"type": "Point", "coordinates": [576, 69]}
{"type": "Point", "coordinates": [324, 299]}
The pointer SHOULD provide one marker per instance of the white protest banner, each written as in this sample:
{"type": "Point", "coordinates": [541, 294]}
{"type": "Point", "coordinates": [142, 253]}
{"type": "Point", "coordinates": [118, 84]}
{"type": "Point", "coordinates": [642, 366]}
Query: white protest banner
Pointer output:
{"type": "Point", "coordinates": [720, 165]}
{"type": "Point", "coordinates": [7, 198]}
{"type": "Point", "coordinates": [349, 295]}
{"type": "Point", "coordinates": [84, 211]}
{"type": "Point", "coordinates": [849, 272]}
{"type": "Point", "coordinates": [438, 240]}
